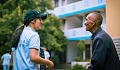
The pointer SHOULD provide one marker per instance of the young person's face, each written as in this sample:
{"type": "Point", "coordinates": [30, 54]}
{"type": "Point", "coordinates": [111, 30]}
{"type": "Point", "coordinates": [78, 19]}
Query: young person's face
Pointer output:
{"type": "Point", "coordinates": [37, 24]}
{"type": "Point", "coordinates": [44, 48]}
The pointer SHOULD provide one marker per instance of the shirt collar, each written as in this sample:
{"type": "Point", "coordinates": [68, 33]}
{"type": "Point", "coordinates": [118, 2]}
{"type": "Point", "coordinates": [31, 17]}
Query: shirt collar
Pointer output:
{"type": "Point", "coordinates": [95, 33]}
{"type": "Point", "coordinates": [29, 28]}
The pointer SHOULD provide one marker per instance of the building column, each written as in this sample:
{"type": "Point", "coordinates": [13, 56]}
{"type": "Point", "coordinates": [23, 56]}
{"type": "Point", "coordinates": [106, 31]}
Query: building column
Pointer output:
{"type": "Point", "coordinates": [113, 21]}
{"type": "Point", "coordinates": [113, 18]}
{"type": "Point", "coordinates": [60, 3]}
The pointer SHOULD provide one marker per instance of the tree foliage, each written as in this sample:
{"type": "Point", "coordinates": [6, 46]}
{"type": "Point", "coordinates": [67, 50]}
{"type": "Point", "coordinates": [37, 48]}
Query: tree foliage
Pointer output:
{"type": "Point", "coordinates": [81, 48]}
{"type": "Point", "coordinates": [51, 35]}
{"type": "Point", "coordinates": [45, 5]}
{"type": "Point", "coordinates": [11, 16]}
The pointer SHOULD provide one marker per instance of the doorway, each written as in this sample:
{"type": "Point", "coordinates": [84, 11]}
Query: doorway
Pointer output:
{"type": "Point", "coordinates": [87, 51]}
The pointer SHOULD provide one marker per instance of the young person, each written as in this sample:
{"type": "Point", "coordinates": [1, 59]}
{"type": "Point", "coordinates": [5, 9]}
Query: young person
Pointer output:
{"type": "Point", "coordinates": [6, 58]}
{"type": "Point", "coordinates": [46, 53]}
{"type": "Point", "coordinates": [26, 43]}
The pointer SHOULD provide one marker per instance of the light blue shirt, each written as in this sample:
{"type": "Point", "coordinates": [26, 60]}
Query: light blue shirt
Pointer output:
{"type": "Point", "coordinates": [6, 59]}
{"type": "Point", "coordinates": [47, 55]}
{"type": "Point", "coordinates": [21, 60]}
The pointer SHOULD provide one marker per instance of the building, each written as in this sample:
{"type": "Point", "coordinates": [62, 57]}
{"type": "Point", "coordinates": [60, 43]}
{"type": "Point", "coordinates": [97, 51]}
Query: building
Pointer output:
{"type": "Point", "coordinates": [73, 13]}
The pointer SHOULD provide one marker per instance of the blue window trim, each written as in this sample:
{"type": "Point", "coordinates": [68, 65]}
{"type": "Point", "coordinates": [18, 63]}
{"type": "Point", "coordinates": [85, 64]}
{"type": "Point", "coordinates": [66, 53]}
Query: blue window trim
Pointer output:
{"type": "Point", "coordinates": [79, 38]}
{"type": "Point", "coordinates": [81, 11]}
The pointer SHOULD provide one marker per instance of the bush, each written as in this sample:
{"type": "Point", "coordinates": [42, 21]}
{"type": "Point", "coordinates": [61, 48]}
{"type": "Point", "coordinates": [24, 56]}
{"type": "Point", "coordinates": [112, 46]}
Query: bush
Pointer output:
{"type": "Point", "coordinates": [86, 60]}
{"type": "Point", "coordinates": [77, 66]}
{"type": "Point", "coordinates": [77, 59]}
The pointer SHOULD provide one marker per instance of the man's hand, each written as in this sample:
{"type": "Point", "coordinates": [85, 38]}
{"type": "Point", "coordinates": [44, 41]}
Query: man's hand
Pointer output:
{"type": "Point", "coordinates": [87, 67]}
{"type": "Point", "coordinates": [50, 65]}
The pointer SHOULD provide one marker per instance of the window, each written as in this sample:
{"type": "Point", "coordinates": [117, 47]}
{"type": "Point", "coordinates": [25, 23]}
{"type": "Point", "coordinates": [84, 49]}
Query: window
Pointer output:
{"type": "Point", "coordinates": [56, 3]}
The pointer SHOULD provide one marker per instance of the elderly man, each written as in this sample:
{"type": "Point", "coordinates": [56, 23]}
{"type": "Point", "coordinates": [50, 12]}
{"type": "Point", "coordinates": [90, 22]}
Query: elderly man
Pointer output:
{"type": "Point", "coordinates": [104, 55]}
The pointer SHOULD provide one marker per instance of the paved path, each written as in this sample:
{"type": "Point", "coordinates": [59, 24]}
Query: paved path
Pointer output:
{"type": "Point", "coordinates": [62, 66]}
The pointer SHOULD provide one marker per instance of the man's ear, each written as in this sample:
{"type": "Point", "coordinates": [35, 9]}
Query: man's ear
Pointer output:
{"type": "Point", "coordinates": [93, 23]}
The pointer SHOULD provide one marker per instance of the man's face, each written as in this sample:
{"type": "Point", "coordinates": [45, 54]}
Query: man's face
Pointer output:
{"type": "Point", "coordinates": [89, 22]}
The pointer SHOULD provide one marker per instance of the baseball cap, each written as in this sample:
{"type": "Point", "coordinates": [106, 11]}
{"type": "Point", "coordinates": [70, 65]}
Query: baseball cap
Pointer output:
{"type": "Point", "coordinates": [7, 51]}
{"type": "Point", "coordinates": [44, 46]}
{"type": "Point", "coordinates": [34, 14]}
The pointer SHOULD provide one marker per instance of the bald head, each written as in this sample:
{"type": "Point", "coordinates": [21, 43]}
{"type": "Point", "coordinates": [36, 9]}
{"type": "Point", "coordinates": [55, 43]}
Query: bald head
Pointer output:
{"type": "Point", "coordinates": [96, 17]}
{"type": "Point", "coordinates": [93, 22]}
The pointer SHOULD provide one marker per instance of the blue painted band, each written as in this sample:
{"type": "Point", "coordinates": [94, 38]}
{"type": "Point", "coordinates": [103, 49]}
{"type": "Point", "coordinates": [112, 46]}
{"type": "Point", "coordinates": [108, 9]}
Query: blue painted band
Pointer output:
{"type": "Point", "coordinates": [81, 11]}
{"type": "Point", "coordinates": [79, 38]}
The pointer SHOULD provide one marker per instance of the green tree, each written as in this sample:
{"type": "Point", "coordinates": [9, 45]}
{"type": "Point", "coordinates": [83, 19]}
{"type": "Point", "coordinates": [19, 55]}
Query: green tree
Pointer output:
{"type": "Point", "coordinates": [81, 48]}
{"type": "Point", "coordinates": [12, 14]}
{"type": "Point", "coordinates": [45, 5]}
{"type": "Point", "coordinates": [8, 24]}
{"type": "Point", "coordinates": [51, 35]}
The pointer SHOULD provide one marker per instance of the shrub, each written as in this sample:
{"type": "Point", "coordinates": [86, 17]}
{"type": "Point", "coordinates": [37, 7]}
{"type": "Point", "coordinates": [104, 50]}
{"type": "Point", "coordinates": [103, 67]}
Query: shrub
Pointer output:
{"type": "Point", "coordinates": [86, 60]}
{"type": "Point", "coordinates": [77, 59]}
{"type": "Point", "coordinates": [77, 66]}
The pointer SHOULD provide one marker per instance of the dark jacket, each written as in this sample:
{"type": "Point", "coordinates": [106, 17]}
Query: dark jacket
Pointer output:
{"type": "Point", "coordinates": [42, 67]}
{"type": "Point", "coordinates": [104, 55]}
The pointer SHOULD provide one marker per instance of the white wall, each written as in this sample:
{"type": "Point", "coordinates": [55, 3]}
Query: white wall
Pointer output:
{"type": "Point", "coordinates": [72, 51]}
{"type": "Point", "coordinates": [73, 22]}
{"type": "Point", "coordinates": [104, 17]}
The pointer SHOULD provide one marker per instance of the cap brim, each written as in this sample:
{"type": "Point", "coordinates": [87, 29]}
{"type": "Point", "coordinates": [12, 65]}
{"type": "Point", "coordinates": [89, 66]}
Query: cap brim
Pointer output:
{"type": "Point", "coordinates": [43, 16]}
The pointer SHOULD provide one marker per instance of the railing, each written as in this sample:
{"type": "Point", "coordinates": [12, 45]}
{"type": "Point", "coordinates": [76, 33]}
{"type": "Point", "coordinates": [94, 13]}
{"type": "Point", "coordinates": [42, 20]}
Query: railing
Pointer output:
{"type": "Point", "coordinates": [79, 7]}
{"type": "Point", "coordinates": [79, 33]}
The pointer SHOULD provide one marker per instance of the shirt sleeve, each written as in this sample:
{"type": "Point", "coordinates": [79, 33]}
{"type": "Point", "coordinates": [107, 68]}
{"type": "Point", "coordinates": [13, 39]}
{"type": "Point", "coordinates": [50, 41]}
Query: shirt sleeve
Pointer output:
{"type": "Point", "coordinates": [34, 42]}
{"type": "Point", "coordinates": [13, 49]}
{"type": "Point", "coordinates": [48, 54]}
{"type": "Point", "coordinates": [2, 57]}
{"type": "Point", "coordinates": [10, 56]}
{"type": "Point", "coordinates": [98, 56]}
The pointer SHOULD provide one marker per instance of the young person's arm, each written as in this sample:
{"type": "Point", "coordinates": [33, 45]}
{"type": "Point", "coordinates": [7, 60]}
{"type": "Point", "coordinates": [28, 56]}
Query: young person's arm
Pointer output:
{"type": "Point", "coordinates": [33, 53]}
{"type": "Point", "coordinates": [1, 59]}
{"type": "Point", "coordinates": [12, 56]}
{"type": "Point", "coordinates": [11, 60]}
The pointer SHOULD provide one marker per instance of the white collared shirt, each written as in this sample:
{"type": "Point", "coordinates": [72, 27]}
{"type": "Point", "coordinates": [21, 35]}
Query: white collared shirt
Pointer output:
{"type": "Point", "coordinates": [21, 60]}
